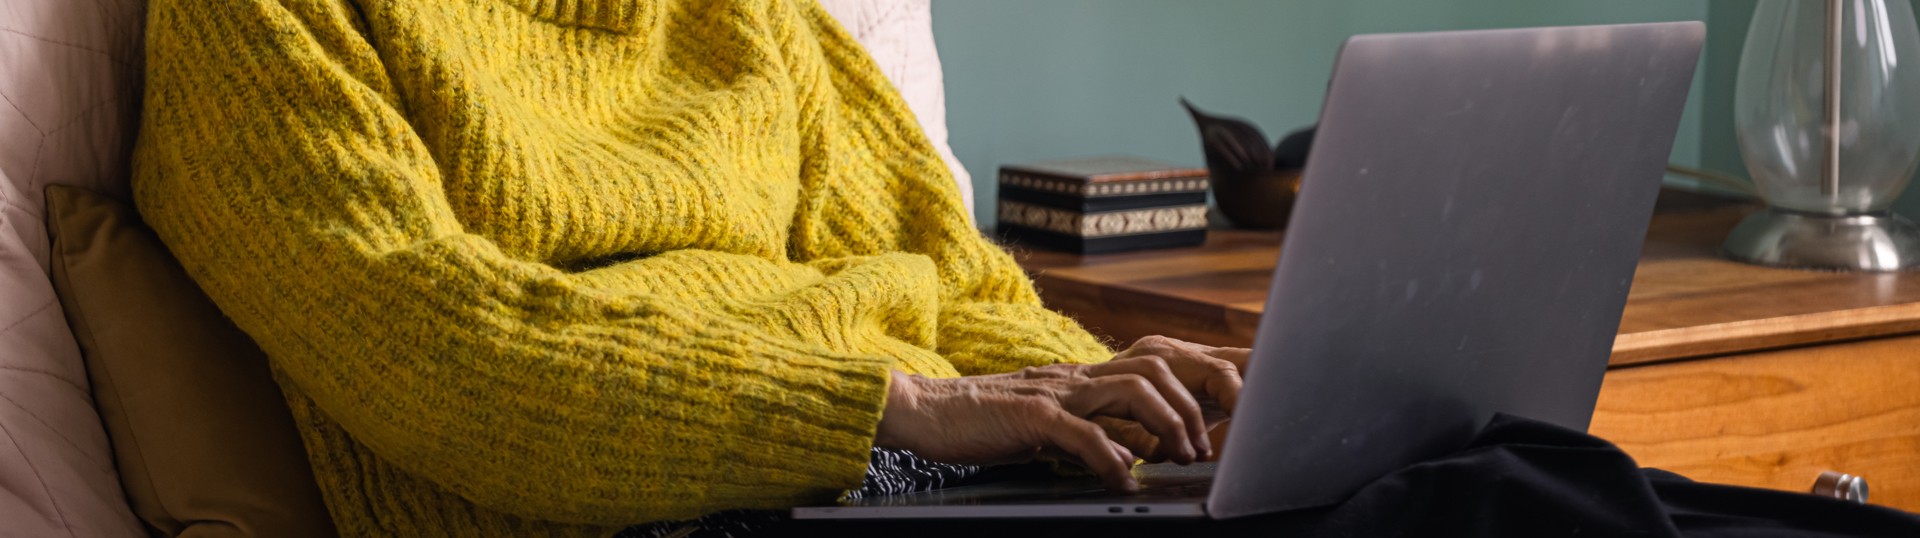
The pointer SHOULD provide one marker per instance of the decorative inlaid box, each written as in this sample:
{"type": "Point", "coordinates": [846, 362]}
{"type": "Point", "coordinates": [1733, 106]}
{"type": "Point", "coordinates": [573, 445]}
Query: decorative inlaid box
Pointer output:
{"type": "Point", "coordinates": [1100, 205]}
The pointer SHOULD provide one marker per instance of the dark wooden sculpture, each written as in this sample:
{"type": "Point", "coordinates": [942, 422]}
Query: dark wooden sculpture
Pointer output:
{"type": "Point", "coordinates": [1253, 185]}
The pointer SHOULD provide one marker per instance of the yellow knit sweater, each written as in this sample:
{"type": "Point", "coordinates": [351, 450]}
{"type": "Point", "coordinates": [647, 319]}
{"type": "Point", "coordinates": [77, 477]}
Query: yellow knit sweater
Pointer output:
{"type": "Point", "coordinates": [552, 267]}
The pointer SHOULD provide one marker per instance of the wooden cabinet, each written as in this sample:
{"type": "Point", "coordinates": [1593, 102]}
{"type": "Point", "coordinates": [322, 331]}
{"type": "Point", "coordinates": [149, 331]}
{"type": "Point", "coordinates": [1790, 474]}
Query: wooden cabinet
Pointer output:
{"type": "Point", "coordinates": [1722, 372]}
{"type": "Point", "coordinates": [1776, 419]}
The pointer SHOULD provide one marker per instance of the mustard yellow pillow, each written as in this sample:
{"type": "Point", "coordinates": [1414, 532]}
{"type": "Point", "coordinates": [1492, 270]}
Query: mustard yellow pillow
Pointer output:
{"type": "Point", "coordinates": [202, 435]}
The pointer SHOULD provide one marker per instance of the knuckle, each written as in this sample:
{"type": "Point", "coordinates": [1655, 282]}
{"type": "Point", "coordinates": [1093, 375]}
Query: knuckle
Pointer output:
{"type": "Point", "coordinates": [1155, 342]}
{"type": "Point", "coordinates": [1227, 373]}
{"type": "Point", "coordinates": [1223, 367]}
{"type": "Point", "coordinates": [1137, 384]}
{"type": "Point", "coordinates": [1030, 373]}
{"type": "Point", "coordinates": [1158, 366]}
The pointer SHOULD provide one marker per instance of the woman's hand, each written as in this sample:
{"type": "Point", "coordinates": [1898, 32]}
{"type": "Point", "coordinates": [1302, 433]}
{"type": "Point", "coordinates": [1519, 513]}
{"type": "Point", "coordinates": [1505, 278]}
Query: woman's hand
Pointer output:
{"type": "Point", "coordinates": [1220, 371]}
{"type": "Point", "coordinates": [1014, 417]}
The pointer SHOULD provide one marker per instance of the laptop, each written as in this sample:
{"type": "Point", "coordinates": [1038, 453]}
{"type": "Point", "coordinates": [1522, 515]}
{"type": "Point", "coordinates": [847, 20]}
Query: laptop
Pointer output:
{"type": "Point", "coordinates": [1469, 224]}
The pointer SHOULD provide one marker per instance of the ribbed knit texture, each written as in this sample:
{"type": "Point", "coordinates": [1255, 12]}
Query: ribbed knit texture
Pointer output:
{"type": "Point", "coordinates": [552, 267]}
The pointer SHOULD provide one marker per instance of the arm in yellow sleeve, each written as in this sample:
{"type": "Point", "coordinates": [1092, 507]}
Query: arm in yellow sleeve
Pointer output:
{"type": "Point", "coordinates": [279, 166]}
{"type": "Point", "coordinates": [991, 319]}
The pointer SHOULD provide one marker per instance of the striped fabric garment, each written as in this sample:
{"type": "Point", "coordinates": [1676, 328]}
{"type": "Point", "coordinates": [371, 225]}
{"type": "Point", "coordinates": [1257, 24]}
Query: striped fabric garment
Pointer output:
{"type": "Point", "coordinates": [889, 472]}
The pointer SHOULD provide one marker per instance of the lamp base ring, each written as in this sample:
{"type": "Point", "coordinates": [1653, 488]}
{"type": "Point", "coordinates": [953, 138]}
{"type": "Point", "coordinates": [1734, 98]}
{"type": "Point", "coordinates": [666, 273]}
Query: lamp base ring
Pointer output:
{"type": "Point", "coordinates": [1880, 241]}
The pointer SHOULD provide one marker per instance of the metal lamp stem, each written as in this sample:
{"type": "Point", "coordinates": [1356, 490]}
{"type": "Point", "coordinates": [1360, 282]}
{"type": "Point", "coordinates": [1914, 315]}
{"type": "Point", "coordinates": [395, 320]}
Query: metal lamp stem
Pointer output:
{"type": "Point", "coordinates": [1830, 166]}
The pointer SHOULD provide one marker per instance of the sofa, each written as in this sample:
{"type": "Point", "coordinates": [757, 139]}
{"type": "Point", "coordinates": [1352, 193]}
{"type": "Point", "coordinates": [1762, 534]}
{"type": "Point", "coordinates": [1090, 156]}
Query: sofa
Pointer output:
{"type": "Point", "coordinates": [70, 89]}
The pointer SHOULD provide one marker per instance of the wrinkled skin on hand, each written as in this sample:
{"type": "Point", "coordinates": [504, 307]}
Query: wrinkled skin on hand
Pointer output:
{"type": "Point", "coordinates": [1155, 401]}
{"type": "Point", "coordinates": [1217, 380]}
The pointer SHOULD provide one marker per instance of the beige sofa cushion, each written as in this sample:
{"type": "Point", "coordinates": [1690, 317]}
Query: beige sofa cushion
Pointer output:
{"type": "Point", "coordinates": [69, 73]}
{"type": "Point", "coordinates": [206, 445]}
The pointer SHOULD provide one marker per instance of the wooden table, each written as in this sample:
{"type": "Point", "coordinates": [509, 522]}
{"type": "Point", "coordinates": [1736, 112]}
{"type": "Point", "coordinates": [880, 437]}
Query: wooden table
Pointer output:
{"type": "Point", "coordinates": [1722, 372]}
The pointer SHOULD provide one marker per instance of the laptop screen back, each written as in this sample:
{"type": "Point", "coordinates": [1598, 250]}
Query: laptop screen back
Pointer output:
{"type": "Point", "coordinates": [1470, 220]}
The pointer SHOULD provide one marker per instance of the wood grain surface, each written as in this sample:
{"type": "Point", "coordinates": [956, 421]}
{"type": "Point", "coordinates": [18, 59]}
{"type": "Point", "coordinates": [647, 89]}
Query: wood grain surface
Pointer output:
{"type": "Point", "coordinates": [1777, 419]}
{"type": "Point", "coordinates": [1685, 302]}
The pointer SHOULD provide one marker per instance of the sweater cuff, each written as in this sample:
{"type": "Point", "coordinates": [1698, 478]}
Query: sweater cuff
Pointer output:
{"type": "Point", "coordinates": [819, 421]}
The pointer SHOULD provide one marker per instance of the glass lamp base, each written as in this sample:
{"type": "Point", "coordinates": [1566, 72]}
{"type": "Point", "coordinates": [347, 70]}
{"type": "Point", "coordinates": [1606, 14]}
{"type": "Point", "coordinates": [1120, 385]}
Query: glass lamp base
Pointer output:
{"type": "Point", "coordinates": [1878, 241]}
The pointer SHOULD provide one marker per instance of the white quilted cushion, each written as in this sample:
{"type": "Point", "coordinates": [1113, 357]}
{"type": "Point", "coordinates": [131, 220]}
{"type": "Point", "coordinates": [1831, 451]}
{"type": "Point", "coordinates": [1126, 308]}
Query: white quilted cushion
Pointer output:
{"type": "Point", "coordinates": [899, 36]}
{"type": "Point", "coordinates": [69, 93]}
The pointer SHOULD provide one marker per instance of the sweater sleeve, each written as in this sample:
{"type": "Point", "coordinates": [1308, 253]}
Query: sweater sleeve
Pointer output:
{"type": "Point", "coordinates": [277, 164]}
{"type": "Point", "coordinates": [991, 319]}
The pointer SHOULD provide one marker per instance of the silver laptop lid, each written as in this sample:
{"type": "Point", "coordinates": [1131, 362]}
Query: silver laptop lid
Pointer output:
{"type": "Point", "coordinates": [1471, 217]}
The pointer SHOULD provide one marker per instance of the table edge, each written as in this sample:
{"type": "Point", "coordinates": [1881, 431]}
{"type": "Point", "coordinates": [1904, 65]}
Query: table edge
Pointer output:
{"type": "Point", "coordinates": [1767, 333]}
{"type": "Point", "coordinates": [1682, 342]}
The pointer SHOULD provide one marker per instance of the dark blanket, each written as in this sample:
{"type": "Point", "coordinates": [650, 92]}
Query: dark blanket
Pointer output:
{"type": "Point", "coordinates": [1521, 477]}
{"type": "Point", "coordinates": [1518, 478]}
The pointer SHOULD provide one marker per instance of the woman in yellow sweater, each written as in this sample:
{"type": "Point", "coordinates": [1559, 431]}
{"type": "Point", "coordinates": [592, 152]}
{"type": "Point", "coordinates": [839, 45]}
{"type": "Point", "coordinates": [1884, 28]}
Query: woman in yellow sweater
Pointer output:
{"type": "Point", "coordinates": [555, 267]}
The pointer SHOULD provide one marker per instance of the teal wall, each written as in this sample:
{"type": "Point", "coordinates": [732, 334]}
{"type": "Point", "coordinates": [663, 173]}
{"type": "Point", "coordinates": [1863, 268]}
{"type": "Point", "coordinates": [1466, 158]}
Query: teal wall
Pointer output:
{"type": "Point", "coordinates": [1043, 79]}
